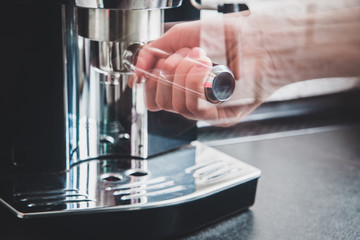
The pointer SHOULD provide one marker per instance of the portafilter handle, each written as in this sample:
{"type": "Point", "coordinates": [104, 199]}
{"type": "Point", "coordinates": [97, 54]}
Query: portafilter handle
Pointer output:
{"type": "Point", "coordinates": [219, 85]}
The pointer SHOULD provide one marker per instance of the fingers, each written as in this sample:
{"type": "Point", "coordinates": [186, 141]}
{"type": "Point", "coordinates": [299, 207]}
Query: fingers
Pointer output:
{"type": "Point", "coordinates": [176, 84]}
{"type": "Point", "coordinates": [165, 82]}
{"type": "Point", "coordinates": [151, 87]}
{"type": "Point", "coordinates": [180, 90]}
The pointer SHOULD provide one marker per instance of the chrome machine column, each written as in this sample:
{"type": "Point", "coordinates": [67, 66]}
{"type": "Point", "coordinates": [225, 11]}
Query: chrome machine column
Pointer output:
{"type": "Point", "coordinates": [105, 116]}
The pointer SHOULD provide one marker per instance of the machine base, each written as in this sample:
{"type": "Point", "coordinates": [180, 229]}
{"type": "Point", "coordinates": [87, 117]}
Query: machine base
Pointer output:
{"type": "Point", "coordinates": [161, 197]}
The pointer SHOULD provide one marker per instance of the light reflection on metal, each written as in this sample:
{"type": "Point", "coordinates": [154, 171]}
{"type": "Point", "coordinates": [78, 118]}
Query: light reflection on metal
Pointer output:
{"type": "Point", "coordinates": [104, 185]}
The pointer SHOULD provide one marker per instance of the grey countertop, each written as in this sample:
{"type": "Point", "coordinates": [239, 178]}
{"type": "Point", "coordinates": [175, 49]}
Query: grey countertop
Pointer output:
{"type": "Point", "coordinates": [309, 189]}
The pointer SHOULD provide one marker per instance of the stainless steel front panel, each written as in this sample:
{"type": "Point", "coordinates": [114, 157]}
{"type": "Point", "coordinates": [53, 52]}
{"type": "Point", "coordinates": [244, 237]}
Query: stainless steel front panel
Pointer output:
{"type": "Point", "coordinates": [105, 116]}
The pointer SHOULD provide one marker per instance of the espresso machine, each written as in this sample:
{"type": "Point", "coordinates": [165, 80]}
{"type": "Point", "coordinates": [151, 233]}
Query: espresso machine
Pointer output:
{"type": "Point", "coordinates": [78, 142]}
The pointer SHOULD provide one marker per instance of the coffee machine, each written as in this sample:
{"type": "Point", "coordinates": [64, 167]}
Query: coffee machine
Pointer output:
{"type": "Point", "coordinates": [78, 142]}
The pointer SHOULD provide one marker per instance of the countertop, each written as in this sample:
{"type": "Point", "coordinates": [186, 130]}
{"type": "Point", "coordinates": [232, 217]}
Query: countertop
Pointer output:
{"type": "Point", "coordinates": [309, 189]}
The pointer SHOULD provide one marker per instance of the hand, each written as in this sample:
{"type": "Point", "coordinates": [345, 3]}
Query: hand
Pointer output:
{"type": "Point", "coordinates": [174, 82]}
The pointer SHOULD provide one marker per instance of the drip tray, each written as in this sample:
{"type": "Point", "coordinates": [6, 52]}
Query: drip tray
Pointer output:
{"type": "Point", "coordinates": [168, 195]}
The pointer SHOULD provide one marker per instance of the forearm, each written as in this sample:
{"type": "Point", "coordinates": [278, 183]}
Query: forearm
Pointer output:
{"type": "Point", "coordinates": [319, 45]}
{"type": "Point", "coordinates": [269, 51]}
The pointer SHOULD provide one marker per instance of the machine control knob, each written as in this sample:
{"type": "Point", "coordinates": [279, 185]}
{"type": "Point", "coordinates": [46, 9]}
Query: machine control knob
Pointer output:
{"type": "Point", "coordinates": [219, 85]}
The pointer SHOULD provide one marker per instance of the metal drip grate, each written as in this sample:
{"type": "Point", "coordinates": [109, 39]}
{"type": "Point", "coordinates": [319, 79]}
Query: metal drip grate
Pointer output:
{"type": "Point", "coordinates": [50, 198]}
{"type": "Point", "coordinates": [107, 185]}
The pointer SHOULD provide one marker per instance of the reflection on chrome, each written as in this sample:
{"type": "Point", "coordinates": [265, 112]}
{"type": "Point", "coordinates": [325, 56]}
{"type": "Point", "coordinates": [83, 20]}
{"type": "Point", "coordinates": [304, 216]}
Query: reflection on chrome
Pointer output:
{"type": "Point", "coordinates": [177, 177]}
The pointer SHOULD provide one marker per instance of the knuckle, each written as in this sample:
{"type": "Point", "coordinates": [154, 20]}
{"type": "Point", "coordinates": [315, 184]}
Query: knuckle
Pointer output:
{"type": "Point", "coordinates": [159, 101]}
{"type": "Point", "coordinates": [192, 106]}
{"type": "Point", "coordinates": [180, 107]}
{"type": "Point", "coordinates": [199, 50]}
{"type": "Point", "coordinates": [169, 65]}
{"type": "Point", "coordinates": [177, 28]}
{"type": "Point", "coordinates": [151, 106]}
{"type": "Point", "coordinates": [193, 81]}
{"type": "Point", "coordinates": [162, 103]}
